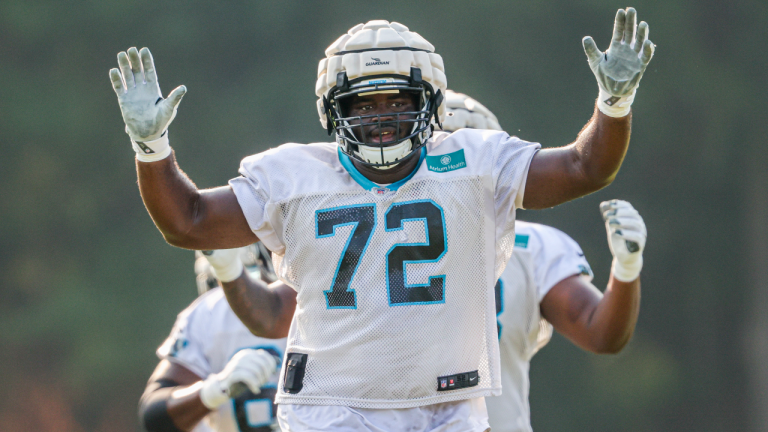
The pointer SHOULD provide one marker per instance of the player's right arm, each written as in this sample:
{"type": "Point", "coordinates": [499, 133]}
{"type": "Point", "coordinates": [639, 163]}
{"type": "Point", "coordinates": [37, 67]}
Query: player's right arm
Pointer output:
{"type": "Point", "coordinates": [266, 310]}
{"type": "Point", "coordinates": [591, 162]}
{"type": "Point", "coordinates": [187, 217]}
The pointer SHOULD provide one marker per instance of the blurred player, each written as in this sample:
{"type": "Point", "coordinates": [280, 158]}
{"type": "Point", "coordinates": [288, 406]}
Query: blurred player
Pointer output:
{"type": "Point", "coordinates": [394, 325]}
{"type": "Point", "coordinates": [211, 366]}
{"type": "Point", "coordinates": [548, 280]}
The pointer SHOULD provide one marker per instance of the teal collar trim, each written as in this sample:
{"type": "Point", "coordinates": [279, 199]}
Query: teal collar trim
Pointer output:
{"type": "Point", "coordinates": [369, 185]}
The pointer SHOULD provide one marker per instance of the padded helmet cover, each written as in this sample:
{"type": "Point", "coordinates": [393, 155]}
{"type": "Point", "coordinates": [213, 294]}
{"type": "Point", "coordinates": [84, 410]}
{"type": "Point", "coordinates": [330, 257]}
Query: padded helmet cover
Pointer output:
{"type": "Point", "coordinates": [465, 112]}
{"type": "Point", "coordinates": [374, 49]}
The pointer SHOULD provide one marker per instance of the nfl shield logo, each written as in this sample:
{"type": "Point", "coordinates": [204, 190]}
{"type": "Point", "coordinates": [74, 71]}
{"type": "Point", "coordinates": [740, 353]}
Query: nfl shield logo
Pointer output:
{"type": "Point", "coordinates": [380, 190]}
{"type": "Point", "coordinates": [443, 383]}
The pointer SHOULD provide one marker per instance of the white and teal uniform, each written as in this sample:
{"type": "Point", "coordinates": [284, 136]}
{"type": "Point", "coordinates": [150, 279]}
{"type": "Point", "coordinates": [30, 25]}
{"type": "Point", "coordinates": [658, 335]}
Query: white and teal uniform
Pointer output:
{"type": "Point", "coordinates": [395, 282]}
{"type": "Point", "coordinates": [205, 337]}
{"type": "Point", "coordinates": [543, 256]}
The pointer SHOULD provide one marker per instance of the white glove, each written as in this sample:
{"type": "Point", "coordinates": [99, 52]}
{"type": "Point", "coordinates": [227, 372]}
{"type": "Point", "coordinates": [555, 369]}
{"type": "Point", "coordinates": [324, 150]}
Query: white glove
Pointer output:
{"type": "Point", "coordinates": [626, 238]}
{"type": "Point", "coordinates": [250, 367]}
{"type": "Point", "coordinates": [226, 263]}
{"type": "Point", "coordinates": [145, 112]}
{"type": "Point", "coordinates": [619, 69]}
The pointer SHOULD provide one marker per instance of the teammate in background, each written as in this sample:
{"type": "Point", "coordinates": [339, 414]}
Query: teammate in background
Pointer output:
{"type": "Point", "coordinates": [394, 324]}
{"type": "Point", "coordinates": [463, 112]}
{"type": "Point", "coordinates": [548, 280]}
{"type": "Point", "coordinates": [211, 366]}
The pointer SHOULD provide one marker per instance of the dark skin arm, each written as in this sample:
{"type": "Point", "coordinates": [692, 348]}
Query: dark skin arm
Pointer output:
{"type": "Point", "coordinates": [188, 217]}
{"type": "Point", "coordinates": [599, 323]}
{"type": "Point", "coordinates": [184, 405]}
{"type": "Point", "coordinates": [266, 311]}
{"type": "Point", "coordinates": [588, 164]}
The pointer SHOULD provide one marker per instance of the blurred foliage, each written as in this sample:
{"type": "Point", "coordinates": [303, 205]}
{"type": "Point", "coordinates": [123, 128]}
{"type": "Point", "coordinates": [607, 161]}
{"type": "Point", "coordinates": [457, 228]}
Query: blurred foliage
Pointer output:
{"type": "Point", "coordinates": [89, 288]}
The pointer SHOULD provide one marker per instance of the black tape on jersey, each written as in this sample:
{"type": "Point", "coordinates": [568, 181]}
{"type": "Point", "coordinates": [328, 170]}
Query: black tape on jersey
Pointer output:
{"type": "Point", "coordinates": [455, 382]}
{"type": "Point", "coordinates": [294, 372]}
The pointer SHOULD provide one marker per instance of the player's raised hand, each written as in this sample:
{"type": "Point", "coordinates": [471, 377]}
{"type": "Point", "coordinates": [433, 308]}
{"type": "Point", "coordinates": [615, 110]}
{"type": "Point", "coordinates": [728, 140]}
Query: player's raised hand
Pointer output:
{"type": "Point", "coordinates": [249, 367]}
{"type": "Point", "coordinates": [626, 238]}
{"type": "Point", "coordinates": [618, 70]}
{"type": "Point", "coordinates": [145, 112]}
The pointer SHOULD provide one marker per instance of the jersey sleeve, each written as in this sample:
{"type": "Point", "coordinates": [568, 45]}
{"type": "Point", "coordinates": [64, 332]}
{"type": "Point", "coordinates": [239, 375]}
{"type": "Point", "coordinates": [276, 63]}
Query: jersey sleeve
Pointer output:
{"type": "Point", "coordinates": [512, 158]}
{"type": "Point", "coordinates": [556, 256]}
{"type": "Point", "coordinates": [184, 346]}
{"type": "Point", "coordinates": [252, 190]}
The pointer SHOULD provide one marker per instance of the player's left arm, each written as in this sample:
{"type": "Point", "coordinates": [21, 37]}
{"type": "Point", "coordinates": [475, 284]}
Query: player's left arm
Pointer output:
{"type": "Point", "coordinates": [603, 323]}
{"type": "Point", "coordinates": [592, 161]}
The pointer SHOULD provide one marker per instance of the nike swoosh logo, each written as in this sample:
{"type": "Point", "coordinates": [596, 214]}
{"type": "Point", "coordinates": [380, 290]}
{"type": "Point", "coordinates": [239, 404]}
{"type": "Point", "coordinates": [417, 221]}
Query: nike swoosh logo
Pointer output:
{"type": "Point", "coordinates": [581, 254]}
{"type": "Point", "coordinates": [471, 379]}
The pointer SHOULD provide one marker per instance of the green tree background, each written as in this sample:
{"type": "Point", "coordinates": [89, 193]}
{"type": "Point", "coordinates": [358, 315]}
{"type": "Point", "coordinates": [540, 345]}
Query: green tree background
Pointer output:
{"type": "Point", "coordinates": [89, 289]}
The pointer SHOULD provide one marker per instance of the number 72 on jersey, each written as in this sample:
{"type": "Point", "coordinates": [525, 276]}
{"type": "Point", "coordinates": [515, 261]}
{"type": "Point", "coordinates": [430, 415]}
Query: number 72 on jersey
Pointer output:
{"type": "Point", "coordinates": [363, 219]}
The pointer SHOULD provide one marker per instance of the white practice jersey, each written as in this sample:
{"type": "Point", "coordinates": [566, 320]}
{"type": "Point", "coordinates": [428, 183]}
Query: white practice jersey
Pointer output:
{"type": "Point", "coordinates": [543, 256]}
{"type": "Point", "coordinates": [395, 283]}
{"type": "Point", "coordinates": [205, 337]}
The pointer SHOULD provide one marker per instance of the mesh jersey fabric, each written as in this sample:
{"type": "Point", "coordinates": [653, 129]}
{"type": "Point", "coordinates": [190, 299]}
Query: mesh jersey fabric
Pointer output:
{"type": "Point", "coordinates": [543, 256]}
{"type": "Point", "coordinates": [395, 283]}
{"type": "Point", "coordinates": [204, 338]}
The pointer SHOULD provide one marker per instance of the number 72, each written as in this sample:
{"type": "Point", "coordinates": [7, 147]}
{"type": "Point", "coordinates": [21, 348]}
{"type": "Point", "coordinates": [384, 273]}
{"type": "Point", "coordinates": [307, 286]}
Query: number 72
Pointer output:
{"type": "Point", "coordinates": [363, 218]}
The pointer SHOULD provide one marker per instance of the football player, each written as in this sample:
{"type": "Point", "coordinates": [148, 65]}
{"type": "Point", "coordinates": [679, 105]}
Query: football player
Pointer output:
{"type": "Point", "coordinates": [373, 231]}
{"type": "Point", "coordinates": [548, 280]}
{"type": "Point", "coordinates": [211, 366]}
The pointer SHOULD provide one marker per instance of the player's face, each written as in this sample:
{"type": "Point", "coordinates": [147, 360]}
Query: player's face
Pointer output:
{"type": "Point", "coordinates": [387, 105]}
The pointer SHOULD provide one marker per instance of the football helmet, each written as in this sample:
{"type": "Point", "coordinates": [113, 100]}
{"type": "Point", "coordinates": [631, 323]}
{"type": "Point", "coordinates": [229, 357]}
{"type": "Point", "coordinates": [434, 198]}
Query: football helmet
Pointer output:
{"type": "Point", "coordinates": [465, 112]}
{"type": "Point", "coordinates": [256, 258]}
{"type": "Point", "coordinates": [380, 57]}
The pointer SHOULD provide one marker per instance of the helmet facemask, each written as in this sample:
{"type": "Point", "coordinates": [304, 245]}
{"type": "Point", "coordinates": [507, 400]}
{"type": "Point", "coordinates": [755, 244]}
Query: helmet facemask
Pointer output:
{"type": "Point", "coordinates": [351, 130]}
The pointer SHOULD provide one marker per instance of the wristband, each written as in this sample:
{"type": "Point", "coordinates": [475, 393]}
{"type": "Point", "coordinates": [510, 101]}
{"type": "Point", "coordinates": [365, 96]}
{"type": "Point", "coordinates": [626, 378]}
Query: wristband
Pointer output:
{"type": "Point", "coordinates": [212, 394]}
{"type": "Point", "coordinates": [627, 272]}
{"type": "Point", "coordinates": [615, 106]}
{"type": "Point", "coordinates": [229, 271]}
{"type": "Point", "coordinates": [152, 151]}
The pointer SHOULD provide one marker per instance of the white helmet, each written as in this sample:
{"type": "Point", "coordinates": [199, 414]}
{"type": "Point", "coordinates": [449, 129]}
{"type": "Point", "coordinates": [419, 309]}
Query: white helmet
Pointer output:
{"type": "Point", "coordinates": [381, 57]}
{"type": "Point", "coordinates": [465, 112]}
{"type": "Point", "coordinates": [256, 259]}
